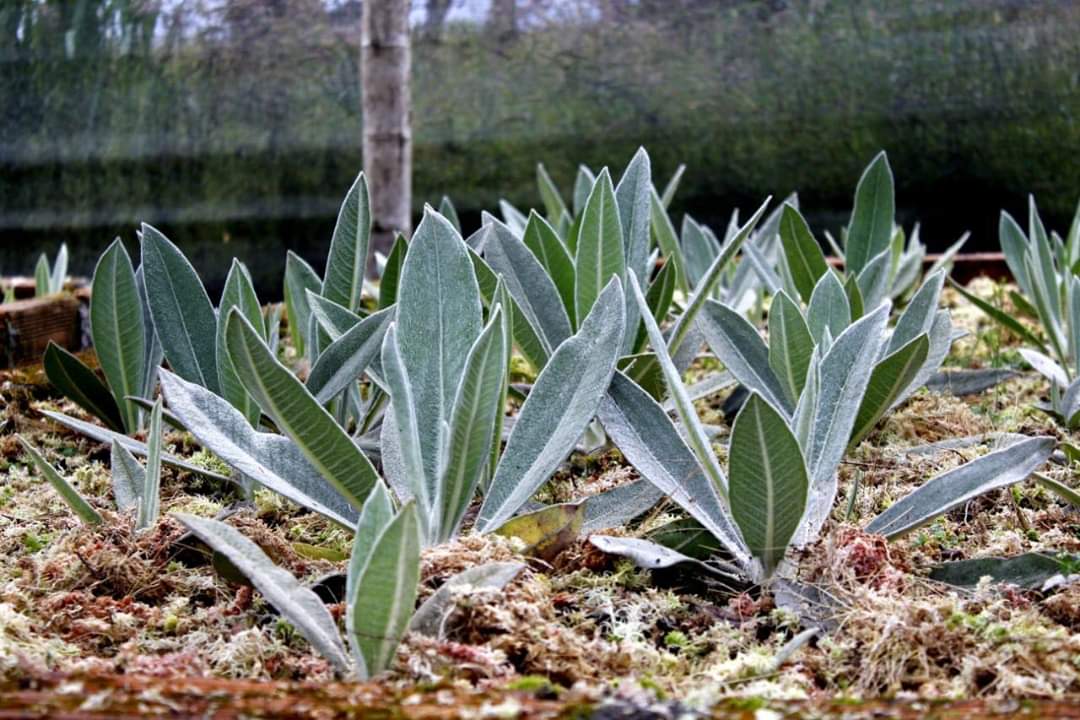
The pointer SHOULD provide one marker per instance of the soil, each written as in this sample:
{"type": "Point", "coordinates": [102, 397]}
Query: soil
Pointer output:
{"type": "Point", "coordinates": [108, 623]}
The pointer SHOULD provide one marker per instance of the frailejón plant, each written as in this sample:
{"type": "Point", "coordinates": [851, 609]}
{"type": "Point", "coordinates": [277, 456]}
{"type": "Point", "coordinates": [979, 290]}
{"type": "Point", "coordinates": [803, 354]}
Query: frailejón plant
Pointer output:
{"type": "Point", "coordinates": [879, 262]}
{"type": "Point", "coordinates": [782, 464]}
{"type": "Point", "coordinates": [1046, 270]}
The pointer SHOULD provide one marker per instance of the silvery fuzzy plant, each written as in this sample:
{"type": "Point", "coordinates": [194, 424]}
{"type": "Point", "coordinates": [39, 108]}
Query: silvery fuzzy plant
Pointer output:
{"type": "Point", "coordinates": [124, 342]}
{"type": "Point", "coordinates": [134, 487]}
{"type": "Point", "coordinates": [49, 280]}
{"type": "Point", "coordinates": [879, 263]}
{"type": "Point", "coordinates": [555, 275]}
{"type": "Point", "coordinates": [137, 318]}
{"type": "Point", "coordinates": [446, 372]}
{"type": "Point", "coordinates": [782, 474]}
{"type": "Point", "coordinates": [331, 327]}
{"type": "Point", "coordinates": [380, 592]}
{"type": "Point", "coordinates": [743, 284]}
{"type": "Point", "coordinates": [1046, 270]}
{"type": "Point", "coordinates": [551, 278]}
{"type": "Point", "coordinates": [781, 369]}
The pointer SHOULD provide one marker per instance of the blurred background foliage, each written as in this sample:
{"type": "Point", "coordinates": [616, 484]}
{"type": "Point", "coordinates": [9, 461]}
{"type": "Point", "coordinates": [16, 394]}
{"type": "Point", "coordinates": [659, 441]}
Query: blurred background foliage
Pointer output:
{"type": "Point", "coordinates": [234, 125]}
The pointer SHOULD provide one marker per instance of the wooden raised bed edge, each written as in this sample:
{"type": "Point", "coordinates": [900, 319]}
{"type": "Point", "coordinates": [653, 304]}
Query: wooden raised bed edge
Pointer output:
{"type": "Point", "coordinates": [27, 326]}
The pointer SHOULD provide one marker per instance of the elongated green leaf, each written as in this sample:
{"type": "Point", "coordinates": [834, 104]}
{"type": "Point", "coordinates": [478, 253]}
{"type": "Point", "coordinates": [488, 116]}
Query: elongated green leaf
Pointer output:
{"type": "Point", "coordinates": [438, 320]}
{"type": "Point", "coordinates": [549, 250]}
{"type": "Point", "coordinates": [154, 354]}
{"type": "Point", "coordinates": [385, 595]}
{"type": "Point", "coordinates": [699, 250]}
{"type": "Point", "coordinates": [269, 459]}
{"type": "Point", "coordinates": [790, 345]}
{"type": "Point", "coordinates": [239, 293]}
{"type": "Point", "coordinates": [1000, 316]}
{"type": "Point", "coordinates": [871, 225]}
{"type": "Point", "coordinates": [658, 297]}
{"type": "Point", "coordinates": [953, 488]}
{"type": "Point", "coordinates": [945, 260]}
{"type": "Point", "coordinates": [514, 218]}
{"type": "Point", "coordinates": [116, 326]}
{"type": "Point", "coordinates": [549, 194]}
{"type": "Point", "coordinates": [299, 278]}
{"type": "Point", "coordinates": [672, 186]}
{"type": "Point", "coordinates": [888, 380]}
{"type": "Point", "coordinates": [448, 211]}
{"type": "Point", "coordinates": [618, 506]}
{"type": "Point", "coordinates": [600, 253]}
{"type": "Point", "coordinates": [401, 435]}
{"type": "Point", "coordinates": [684, 327]}
{"type": "Point", "coordinates": [828, 308]}
{"type": "Point", "coordinates": [150, 497]}
{"type": "Point", "coordinates": [642, 430]}
{"type": "Point", "coordinates": [526, 337]}
{"type": "Point", "coordinates": [70, 495]}
{"type": "Point", "coordinates": [59, 271]}
{"type": "Point", "coordinates": [1043, 268]}
{"type": "Point", "coordinates": [844, 374]}
{"type": "Point", "coordinates": [42, 278]}
{"type": "Point", "coordinates": [343, 362]}
{"type": "Point", "coordinates": [333, 319]}
{"type": "Point", "coordinates": [433, 615]}
{"type": "Point", "coordinates": [874, 280]}
{"type": "Point", "coordinates": [583, 184]}
{"type": "Point", "coordinates": [1030, 570]}
{"type": "Point", "coordinates": [128, 477]}
{"type": "Point", "coordinates": [529, 285]}
{"type": "Point", "coordinates": [478, 406]}
{"type": "Point", "coordinates": [79, 383]}
{"type": "Point", "coordinates": [684, 407]}
{"type": "Point", "coordinates": [184, 319]}
{"type": "Point", "coordinates": [296, 413]}
{"type": "Point", "coordinates": [562, 402]}
{"type": "Point", "coordinates": [633, 195]}
{"type": "Point", "coordinates": [769, 481]}
{"type": "Point", "coordinates": [664, 232]}
{"type": "Point", "coordinates": [1059, 488]}
{"type": "Point", "coordinates": [854, 298]}
{"type": "Point", "coordinates": [801, 252]}
{"type": "Point", "coordinates": [375, 517]}
{"type": "Point", "coordinates": [941, 336]}
{"type": "Point", "coordinates": [388, 283]}
{"type": "Point", "coordinates": [136, 447]}
{"type": "Point", "coordinates": [918, 317]}
{"type": "Point", "coordinates": [296, 603]}
{"type": "Point", "coordinates": [347, 261]}
{"type": "Point", "coordinates": [1014, 246]}
{"type": "Point", "coordinates": [737, 343]}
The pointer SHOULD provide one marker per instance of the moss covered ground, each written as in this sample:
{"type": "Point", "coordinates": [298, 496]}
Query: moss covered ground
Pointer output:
{"type": "Point", "coordinates": [85, 602]}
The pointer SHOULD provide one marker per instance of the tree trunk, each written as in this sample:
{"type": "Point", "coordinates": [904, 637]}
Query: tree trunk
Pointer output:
{"type": "Point", "coordinates": [387, 107]}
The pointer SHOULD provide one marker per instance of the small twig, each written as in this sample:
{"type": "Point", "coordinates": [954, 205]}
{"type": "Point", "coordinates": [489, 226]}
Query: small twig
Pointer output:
{"type": "Point", "coordinates": [93, 570]}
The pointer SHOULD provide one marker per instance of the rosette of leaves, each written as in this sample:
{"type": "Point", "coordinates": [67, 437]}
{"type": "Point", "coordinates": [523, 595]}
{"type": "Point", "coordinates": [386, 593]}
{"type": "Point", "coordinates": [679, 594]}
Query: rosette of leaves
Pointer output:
{"type": "Point", "coordinates": [1046, 269]}
{"type": "Point", "coordinates": [553, 277]}
{"type": "Point", "coordinates": [782, 484]}
{"type": "Point", "coordinates": [446, 369]}
{"type": "Point", "coordinates": [879, 261]}
{"type": "Point", "coordinates": [779, 370]}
